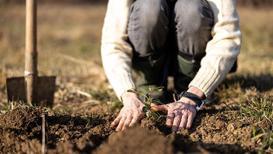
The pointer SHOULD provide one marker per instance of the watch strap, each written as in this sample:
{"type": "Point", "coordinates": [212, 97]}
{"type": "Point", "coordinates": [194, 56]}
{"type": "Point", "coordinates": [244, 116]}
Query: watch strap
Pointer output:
{"type": "Point", "coordinates": [199, 102]}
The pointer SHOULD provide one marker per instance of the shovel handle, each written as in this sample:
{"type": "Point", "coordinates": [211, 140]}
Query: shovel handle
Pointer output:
{"type": "Point", "coordinates": [31, 38]}
{"type": "Point", "coordinates": [31, 71]}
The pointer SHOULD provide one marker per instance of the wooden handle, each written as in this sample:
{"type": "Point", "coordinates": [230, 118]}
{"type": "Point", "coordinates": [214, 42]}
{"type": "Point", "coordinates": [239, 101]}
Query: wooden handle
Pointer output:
{"type": "Point", "coordinates": [31, 71]}
{"type": "Point", "coordinates": [31, 37]}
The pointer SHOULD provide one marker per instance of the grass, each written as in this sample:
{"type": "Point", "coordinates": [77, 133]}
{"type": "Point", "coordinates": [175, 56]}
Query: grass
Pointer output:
{"type": "Point", "coordinates": [260, 109]}
{"type": "Point", "coordinates": [256, 60]}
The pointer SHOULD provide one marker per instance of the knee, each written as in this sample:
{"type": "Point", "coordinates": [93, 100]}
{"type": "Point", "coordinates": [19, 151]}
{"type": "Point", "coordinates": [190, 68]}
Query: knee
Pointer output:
{"type": "Point", "coordinates": [191, 15]}
{"type": "Point", "coordinates": [147, 13]}
{"type": "Point", "coordinates": [148, 26]}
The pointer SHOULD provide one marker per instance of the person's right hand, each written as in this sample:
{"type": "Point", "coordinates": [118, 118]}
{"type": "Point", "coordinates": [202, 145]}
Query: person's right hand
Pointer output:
{"type": "Point", "coordinates": [131, 112]}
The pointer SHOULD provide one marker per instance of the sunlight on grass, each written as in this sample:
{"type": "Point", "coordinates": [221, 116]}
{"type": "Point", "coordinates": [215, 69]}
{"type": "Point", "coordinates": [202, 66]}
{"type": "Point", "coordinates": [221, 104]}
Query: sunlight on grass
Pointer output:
{"type": "Point", "coordinates": [260, 109]}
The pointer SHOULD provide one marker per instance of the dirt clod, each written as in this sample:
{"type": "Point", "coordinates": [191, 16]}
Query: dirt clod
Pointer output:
{"type": "Point", "coordinates": [137, 140]}
{"type": "Point", "coordinates": [21, 118]}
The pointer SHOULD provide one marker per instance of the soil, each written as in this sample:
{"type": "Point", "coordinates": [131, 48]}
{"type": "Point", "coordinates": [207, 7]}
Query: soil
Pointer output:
{"type": "Point", "coordinates": [137, 140]}
{"type": "Point", "coordinates": [20, 132]}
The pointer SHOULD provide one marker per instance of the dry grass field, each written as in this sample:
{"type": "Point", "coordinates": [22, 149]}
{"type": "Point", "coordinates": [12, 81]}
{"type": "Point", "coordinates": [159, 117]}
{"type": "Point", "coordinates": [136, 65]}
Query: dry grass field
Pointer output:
{"type": "Point", "coordinates": [69, 45]}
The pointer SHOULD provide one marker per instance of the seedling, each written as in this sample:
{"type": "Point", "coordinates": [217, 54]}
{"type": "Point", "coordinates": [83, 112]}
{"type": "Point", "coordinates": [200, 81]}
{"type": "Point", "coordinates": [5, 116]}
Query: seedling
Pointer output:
{"type": "Point", "coordinates": [146, 96]}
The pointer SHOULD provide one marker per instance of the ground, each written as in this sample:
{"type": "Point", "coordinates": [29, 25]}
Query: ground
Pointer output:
{"type": "Point", "coordinates": [79, 122]}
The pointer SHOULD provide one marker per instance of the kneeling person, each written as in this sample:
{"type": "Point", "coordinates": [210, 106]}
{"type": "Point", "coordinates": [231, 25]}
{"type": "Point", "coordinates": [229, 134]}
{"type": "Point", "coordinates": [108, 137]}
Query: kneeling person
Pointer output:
{"type": "Point", "coordinates": [195, 41]}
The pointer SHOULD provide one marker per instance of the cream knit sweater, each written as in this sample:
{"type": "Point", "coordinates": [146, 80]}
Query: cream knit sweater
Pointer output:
{"type": "Point", "coordinates": [221, 51]}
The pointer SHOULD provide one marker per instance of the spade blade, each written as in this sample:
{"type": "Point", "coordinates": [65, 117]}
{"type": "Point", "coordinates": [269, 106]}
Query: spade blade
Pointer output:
{"type": "Point", "coordinates": [44, 90]}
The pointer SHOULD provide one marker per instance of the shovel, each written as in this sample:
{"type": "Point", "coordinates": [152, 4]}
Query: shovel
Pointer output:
{"type": "Point", "coordinates": [31, 89]}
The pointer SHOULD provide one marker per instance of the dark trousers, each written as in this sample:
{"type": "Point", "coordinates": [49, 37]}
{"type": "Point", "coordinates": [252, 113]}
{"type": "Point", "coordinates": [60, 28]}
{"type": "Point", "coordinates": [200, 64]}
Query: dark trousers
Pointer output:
{"type": "Point", "coordinates": [169, 37]}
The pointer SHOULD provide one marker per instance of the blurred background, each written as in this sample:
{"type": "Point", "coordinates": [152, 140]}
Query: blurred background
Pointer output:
{"type": "Point", "coordinates": [69, 33]}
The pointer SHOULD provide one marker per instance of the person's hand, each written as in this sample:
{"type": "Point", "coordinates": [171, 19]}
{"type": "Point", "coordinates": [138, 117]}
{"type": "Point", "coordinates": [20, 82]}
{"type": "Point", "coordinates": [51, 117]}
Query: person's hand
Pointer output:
{"type": "Point", "coordinates": [180, 114]}
{"type": "Point", "coordinates": [131, 112]}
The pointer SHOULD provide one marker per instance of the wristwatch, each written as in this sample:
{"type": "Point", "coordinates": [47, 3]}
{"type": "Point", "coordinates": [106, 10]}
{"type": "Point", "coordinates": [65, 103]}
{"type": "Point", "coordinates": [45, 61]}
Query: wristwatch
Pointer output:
{"type": "Point", "coordinates": [199, 102]}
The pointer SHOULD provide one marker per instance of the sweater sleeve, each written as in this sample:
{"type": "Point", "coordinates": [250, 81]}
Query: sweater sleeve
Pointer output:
{"type": "Point", "coordinates": [115, 51]}
{"type": "Point", "coordinates": [222, 50]}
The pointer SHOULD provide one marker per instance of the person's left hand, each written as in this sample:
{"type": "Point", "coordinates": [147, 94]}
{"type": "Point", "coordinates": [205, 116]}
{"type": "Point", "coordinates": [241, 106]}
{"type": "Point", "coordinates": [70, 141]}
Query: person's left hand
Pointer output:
{"type": "Point", "coordinates": [180, 114]}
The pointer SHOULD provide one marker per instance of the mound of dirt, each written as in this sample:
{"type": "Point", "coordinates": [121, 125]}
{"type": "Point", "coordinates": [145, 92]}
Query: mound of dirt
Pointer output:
{"type": "Point", "coordinates": [20, 132]}
{"type": "Point", "coordinates": [21, 118]}
{"type": "Point", "coordinates": [136, 140]}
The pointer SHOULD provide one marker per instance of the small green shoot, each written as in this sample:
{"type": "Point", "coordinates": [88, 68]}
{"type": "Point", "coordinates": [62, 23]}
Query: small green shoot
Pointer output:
{"type": "Point", "coordinates": [261, 109]}
{"type": "Point", "coordinates": [146, 94]}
